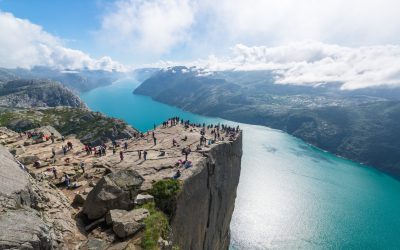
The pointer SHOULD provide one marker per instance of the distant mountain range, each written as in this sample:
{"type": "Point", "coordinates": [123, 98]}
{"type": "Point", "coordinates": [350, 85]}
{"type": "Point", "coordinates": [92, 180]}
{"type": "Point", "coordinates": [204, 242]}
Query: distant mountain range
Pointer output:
{"type": "Point", "coordinates": [82, 80]}
{"type": "Point", "coordinates": [362, 125]}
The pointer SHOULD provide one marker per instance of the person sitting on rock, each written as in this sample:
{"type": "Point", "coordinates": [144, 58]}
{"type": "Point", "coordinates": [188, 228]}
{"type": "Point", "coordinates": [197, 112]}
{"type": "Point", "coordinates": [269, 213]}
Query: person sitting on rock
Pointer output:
{"type": "Point", "coordinates": [177, 174]}
{"type": "Point", "coordinates": [188, 164]}
{"type": "Point", "coordinates": [36, 164]}
{"type": "Point", "coordinates": [66, 160]}
{"type": "Point", "coordinates": [67, 180]}
{"type": "Point", "coordinates": [69, 144]}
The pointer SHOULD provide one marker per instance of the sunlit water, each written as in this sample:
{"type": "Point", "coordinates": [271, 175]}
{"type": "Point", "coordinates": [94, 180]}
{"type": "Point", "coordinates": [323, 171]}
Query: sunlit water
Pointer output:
{"type": "Point", "coordinates": [290, 194]}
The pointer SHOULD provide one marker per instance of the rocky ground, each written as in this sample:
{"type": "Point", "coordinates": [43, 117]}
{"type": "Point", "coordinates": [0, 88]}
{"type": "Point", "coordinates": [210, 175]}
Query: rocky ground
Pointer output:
{"type": "Point", "coordinates": [95, 212]}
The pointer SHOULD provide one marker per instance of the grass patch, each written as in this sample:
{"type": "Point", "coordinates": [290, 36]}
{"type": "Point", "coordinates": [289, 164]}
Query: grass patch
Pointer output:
{"type": "Point", "coordinates": [156, 226]}
{"type": "Point", "coordinates": [165, 193]}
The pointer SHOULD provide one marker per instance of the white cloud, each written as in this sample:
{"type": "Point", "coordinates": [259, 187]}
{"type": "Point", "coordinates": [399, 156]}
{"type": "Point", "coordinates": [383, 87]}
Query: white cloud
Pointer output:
{"type": "Point", "coordinates": [24, 44]}
{"type": "Point", "coordinates": [152, 28]}
{"type": "Point", "coordinates": [311, 63]}
{"type": "Point", "coordinates": [274, 22]}
{"type": "Point", "coordinates": [147, 28]}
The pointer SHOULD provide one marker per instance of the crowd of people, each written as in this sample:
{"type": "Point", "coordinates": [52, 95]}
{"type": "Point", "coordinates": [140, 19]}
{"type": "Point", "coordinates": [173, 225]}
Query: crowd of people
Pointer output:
{"type": "Point", "coordinates": [208, 135]}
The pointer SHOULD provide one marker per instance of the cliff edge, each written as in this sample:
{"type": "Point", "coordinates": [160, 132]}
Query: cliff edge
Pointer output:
{"type": "Point", "coordinates": [171, 188]}
{"type": "Point", "coordinates": [205, 206]}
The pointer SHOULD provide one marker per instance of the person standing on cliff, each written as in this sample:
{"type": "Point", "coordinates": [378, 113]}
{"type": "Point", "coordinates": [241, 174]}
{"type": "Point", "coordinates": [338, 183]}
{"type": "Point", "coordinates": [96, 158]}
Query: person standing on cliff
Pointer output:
{"type": "Point", "coordinates": [155, 140]}
{"type": "Point", "coordinates": [139, 152]}
{"type": "Point", "coordinates": [121, 155]}
{"type": "Point", "coordinates": [145, 155]}
{"type": "Point", "coordinates": [186, 151]}
{"type": "Point", "coordinates": [54, 172]}
{"type": "Point", "coordinates": [52, 137]}
{"type": "Point", "coordinates": [82, 165]}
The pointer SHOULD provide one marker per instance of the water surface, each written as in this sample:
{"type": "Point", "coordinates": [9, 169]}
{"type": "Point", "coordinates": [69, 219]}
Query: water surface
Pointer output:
{"type": "Point", "coordinates": [290, 194]}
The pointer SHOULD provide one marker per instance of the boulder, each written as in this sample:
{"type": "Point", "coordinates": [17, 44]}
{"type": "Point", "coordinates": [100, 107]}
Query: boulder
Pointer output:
{"type": "Point", "coordinates": [29, 159]}
{"type": "Point", "coordinates": [21, 226]}
{"type": "Point", "coordinates": [114, 191]}
{"type": "Point", "coordinates": [80, 199]}
{"type": "Point", "coordinates": [24, 229]}
{"type": "Point", "coordinates": [47, 130]}
{"type": "Point", "coordinates": [143, 198]}
{"type": "Point", "coordinates": [126, 223]}
{"type": "Point", "coordinates": [95, 244]}
{"type": "Point", "coordinates": [21, 125]}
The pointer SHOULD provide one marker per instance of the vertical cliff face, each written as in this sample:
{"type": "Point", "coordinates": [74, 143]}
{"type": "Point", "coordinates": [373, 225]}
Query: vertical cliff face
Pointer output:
{"type": "Point", "coordinates": [205, 205]}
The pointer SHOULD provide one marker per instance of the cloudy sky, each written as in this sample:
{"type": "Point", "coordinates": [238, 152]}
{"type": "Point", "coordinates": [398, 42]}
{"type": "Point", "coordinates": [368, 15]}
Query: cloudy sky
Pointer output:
{"type": "Point", "coordinates": [356, 41]}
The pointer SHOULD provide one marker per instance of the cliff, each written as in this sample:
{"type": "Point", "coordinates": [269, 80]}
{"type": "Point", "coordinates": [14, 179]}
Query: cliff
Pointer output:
{"type": "Point", "coordinates": [205, 206]}
{"type": "Point", "coordinates": [32, 216]}
{"type": "Point", "coordinates": [114, 202]}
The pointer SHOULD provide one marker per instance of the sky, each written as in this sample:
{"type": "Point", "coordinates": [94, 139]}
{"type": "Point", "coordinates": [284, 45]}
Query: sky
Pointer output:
{"type": "Point", "coordinates": [306, 41]}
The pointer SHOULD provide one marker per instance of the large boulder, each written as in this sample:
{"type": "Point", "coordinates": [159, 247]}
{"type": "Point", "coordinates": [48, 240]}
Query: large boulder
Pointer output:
{"type": "Point", "coordinates": [24, 229]}
{"type": "Point", "coordinates": [114, 191]}
{"type": "Point", "coordinates": [21, 226]}
{"type": "Point", "coordinates": [126, 223]}
{"type": "Point", "coordinates": [143, 198]}
{"type": "Point", "coordinates": [29, 159]}
{"type": "Point", "coordinates": [47, 130]}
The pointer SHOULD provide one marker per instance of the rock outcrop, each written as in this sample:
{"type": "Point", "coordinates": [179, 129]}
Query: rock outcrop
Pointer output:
{"type": "Point", "coordinates": [22, 226]}
{"type": "Point", "coordinates": [88, 126]}
{"type": "Point", "coordinates": [114, 191]}
{"type": "Point", "coordinates": [37, 93]}
{"type": "Point", "coordinates": [32, 215]}
{"type": "Point", "coordinates": [205, 205]}
{"type": "Point", "coordinates": [126, 223]}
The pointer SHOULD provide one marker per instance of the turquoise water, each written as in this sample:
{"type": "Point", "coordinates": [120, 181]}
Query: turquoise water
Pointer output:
{"type": "Point", "coordinates": [290, 194]}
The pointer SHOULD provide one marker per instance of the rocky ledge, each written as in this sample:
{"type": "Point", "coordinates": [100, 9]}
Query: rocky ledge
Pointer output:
{"type": "Point", "coordinates": [137, 193]}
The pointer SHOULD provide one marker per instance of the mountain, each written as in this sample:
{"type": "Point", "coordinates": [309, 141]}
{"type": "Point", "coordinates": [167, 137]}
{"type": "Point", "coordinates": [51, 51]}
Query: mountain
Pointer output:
{"type": "Point", "coordinates": [361, 125]}
{"type": "Point", "coordinates": [78, 80]}
{"type": "Point", "coordinates": [87, 126]}
{"type": "Point", "coordinates": [24, 93]}
{"type": "Point", "coordinates": [29, 104]}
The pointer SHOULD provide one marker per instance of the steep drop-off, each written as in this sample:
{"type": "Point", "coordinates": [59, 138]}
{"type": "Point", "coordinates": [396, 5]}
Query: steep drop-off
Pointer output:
{"type": "Point", "coordinates": [100, 206]}
{"type": "Point", "coordinates": [205, 206]}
